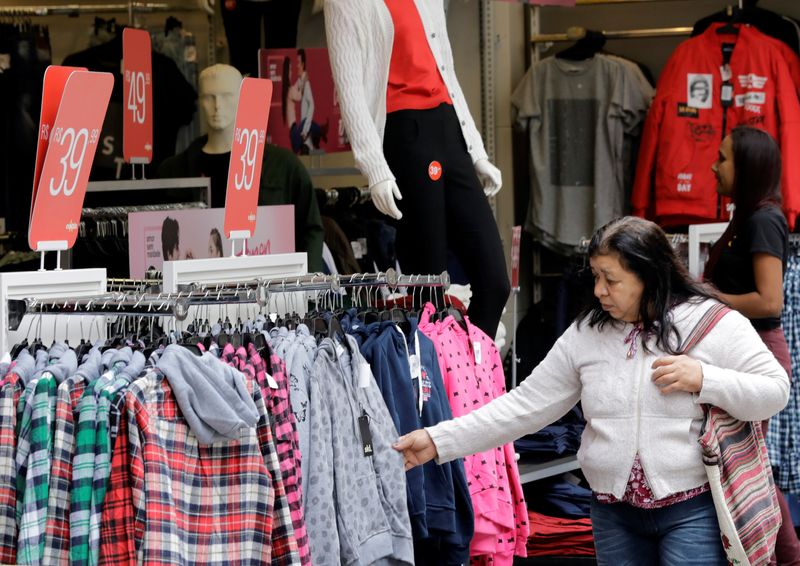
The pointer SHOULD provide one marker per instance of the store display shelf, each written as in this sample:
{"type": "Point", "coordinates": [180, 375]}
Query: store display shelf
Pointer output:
{"type": "Point", "coordinates": [530, 471]}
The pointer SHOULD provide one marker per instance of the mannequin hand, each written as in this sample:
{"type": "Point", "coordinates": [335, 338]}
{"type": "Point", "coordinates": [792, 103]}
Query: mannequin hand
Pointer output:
{"type": "Point", "coordinates": [417, 448]}
{"type": "Point", "coordinates": [490, 177]}
{"type": "Point", "coordinates": [678, 373]}
{"type": "Point", "coordinates": [382, 197]}
{"type": "Point", "coordinates": [207, 6]}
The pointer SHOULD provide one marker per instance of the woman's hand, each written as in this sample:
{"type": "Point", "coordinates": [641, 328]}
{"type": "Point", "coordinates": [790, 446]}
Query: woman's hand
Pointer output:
{"type": "Point", "coordinates": [678, 373]}
{"type": "Point", "coordinates": [417, 448]}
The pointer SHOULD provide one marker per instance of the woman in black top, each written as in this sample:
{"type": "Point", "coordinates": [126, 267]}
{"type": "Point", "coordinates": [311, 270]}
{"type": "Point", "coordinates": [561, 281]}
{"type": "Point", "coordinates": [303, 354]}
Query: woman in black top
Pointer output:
{"type": "Point", "coordinates": [748, 261]}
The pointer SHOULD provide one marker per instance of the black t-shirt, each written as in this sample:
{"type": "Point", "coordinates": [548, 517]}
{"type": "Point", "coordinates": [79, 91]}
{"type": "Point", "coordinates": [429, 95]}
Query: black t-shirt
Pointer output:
{"type": "Point", "coordinates": [215, 166]}
{"type": "Point", "coordinates": [766, 231]}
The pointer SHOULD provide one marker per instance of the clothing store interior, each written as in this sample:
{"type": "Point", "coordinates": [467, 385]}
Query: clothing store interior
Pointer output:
{"type": "Point", "coordinates": [225, 378]}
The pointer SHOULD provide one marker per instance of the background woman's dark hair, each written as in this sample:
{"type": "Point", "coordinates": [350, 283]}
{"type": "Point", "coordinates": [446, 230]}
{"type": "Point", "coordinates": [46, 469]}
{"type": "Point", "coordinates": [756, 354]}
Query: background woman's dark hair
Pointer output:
{"type": "Point", "coordinates": [170, 235]}
{"type": "Point", "coordinates": [757, 177]}
{"type": "Point", "coordinates": [285, 80]}
{"type": "Point", "coordinates": [643, 249]}
{"type": "Point", "coordinates": [217, 238]}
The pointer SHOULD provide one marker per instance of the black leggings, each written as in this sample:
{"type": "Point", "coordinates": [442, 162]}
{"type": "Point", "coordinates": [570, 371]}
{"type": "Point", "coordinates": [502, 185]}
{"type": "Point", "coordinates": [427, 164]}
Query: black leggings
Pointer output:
{"type": "Point", "coordinates": [243, 20]}
{"type": "Point", "coordinates": [451, 212]}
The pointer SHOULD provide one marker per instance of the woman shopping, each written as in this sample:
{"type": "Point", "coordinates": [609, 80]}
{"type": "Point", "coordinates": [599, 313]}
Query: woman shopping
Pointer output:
{"type": "Point", "coordinates": [642, 400]}
{"type": "Point", "coordinates": [748, 261]}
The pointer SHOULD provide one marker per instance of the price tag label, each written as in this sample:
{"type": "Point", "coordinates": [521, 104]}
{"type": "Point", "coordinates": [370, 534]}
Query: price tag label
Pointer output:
{"type": "Point", "coordinates": [72, 144]}
{"type": "Point", "coordinates": [55, 79]}
{"type": "Point", "coordinates": [244, 171]}
{"type": "Point", "coordinates": [516, 238]}
{"type": "Point", "coordinates": [137, 89]}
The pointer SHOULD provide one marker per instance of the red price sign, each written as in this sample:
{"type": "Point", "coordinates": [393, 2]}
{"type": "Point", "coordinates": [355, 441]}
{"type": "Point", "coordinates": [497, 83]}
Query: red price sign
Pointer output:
{"type": "Point", "coordinates": [244, 171]}
{"type": "Point", "coordinates": [65, 174]}
{"type": "Point", "coordinates": [516, 238]}
{"type": "Point", "coordinates": [137, 72]}
{"type": "Point", "coordinates": [55, 79]}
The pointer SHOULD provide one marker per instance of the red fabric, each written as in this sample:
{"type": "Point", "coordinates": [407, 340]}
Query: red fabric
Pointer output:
{"type": "Point", "coordinates": [638, 492]}
{"type": "Point", "coordinates": [552, 536]}
{"type": "Point", "coordinates": [674, 183]}
{"type": "Point", "coordinates": [414, 79]}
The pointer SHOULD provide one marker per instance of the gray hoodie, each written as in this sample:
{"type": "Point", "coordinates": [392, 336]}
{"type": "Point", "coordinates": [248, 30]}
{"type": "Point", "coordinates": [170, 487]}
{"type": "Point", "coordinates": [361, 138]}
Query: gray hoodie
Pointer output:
{"type": "Point", "coordinates": [213, 396]}
{"type": "Point", "coordinates": [355, 506]}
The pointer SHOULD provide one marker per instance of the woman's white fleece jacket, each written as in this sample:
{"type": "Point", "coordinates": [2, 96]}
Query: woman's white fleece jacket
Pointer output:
{"type": "Point", "coordinates": [625, 412]}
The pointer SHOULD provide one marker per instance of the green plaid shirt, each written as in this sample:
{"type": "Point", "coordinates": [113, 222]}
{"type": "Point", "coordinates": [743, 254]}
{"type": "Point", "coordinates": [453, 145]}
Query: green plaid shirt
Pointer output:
{"type": "Point", "coordinates": [33, 468]}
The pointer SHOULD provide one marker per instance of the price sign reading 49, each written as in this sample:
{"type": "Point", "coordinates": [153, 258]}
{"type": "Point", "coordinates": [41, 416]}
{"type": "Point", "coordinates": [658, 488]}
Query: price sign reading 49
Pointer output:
{"type": "Point", "coordinates": [70, 153]}
{"type": "Point", "coordinates": [244, 171]}
{"type": "Point", "coordinates": [137, 66]}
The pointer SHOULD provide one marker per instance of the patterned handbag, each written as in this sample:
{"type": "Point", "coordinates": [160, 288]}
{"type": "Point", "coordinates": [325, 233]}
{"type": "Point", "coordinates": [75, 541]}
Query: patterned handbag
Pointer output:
{"type": "Point", "coordinates": [739, 473]}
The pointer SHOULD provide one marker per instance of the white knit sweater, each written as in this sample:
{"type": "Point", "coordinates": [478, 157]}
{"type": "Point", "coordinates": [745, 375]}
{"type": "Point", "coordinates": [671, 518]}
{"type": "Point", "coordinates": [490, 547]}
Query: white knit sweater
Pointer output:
{"type": "Point", "coordinates": [625, 412]}
{"type": "Point", "coordinates": [360, 38]}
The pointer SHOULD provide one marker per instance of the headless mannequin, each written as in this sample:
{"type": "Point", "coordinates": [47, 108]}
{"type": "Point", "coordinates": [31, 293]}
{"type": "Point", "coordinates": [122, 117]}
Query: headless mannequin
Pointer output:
{"type": "Point", "coordinates": [423, 161]}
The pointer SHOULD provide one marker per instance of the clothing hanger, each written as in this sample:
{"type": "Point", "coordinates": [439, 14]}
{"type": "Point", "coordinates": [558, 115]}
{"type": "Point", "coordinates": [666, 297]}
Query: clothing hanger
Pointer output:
{"type": "Point", "coordinates": [734, 16]}
{"type": "Point", "coordinates": [588, 44]}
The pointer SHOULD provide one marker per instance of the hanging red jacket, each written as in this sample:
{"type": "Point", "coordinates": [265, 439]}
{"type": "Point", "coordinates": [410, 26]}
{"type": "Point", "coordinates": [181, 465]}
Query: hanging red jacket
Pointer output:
{"type": "Point", "coordinates": [674, 184]}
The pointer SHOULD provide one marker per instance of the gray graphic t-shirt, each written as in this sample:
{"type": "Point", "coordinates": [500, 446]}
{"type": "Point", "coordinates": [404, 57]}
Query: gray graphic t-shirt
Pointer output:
{"type": "Point", "coordinates": [578, 114]}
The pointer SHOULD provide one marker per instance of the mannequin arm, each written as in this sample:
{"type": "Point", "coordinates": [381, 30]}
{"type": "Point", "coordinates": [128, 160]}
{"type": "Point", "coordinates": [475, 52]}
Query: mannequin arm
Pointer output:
{"type": "Point", "coordinates": [207, 6]}
{"type": "Point", "coordinates": [348, 41]}
{"type": "Point", "coordinates": [383, 195]}
{"type": "Point", "coordinates": [489, 176]}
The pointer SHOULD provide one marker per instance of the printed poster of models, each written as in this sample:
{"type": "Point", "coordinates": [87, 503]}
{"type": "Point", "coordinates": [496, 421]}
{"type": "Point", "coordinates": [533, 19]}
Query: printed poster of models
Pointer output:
{"type": "Point", "coordinates": [305, 115]}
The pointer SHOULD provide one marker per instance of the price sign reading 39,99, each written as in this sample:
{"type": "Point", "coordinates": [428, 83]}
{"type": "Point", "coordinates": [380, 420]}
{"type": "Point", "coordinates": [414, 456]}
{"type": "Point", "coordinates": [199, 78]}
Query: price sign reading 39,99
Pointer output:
{"type": "Point", "coordinates": [137, 67]}
{"type": "Point", "coordinates": [244, 171]}
{"type": "Point", "coordinates": [70, 153]}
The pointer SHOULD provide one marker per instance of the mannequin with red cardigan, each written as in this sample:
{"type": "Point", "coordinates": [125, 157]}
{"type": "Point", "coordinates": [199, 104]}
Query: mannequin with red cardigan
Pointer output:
{"type": "Point", "coordinates": [414, 139]}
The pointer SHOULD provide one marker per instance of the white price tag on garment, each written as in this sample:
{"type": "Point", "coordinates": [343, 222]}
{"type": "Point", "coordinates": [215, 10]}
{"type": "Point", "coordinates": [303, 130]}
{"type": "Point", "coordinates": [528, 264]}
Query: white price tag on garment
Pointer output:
{"type": "Point", "coordinates": [476, 348]}
{"type": "Point", "coordinates": [726, 73]}
{"type": "Point", "coordinates": [271, 381]}
{"type": "Point", "coordinates": [364, 374]}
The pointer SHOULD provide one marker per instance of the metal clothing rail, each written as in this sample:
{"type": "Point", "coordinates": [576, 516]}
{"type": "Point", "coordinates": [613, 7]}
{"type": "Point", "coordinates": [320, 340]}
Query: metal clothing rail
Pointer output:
{"type": "Point", "coordinates": [617, 34]}
{"type": "Point", "coordinates": [144, 304]}
{"type": "Point", "coordinates": [78, 9]}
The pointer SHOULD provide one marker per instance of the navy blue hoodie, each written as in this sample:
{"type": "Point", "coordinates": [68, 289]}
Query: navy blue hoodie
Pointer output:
{"type": "Point", "coordinates": [438, 495]}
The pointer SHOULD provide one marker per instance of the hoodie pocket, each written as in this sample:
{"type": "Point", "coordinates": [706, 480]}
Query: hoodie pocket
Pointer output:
{"type": "Point", "coordinates": [366, 515]}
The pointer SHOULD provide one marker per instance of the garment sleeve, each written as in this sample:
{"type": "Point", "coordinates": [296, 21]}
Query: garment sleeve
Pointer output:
{"type": "Point", "coordinates": [767, 233]}
{"type": "Point", "coordinates": [308, 231]}
{"type": "Point", "coordinates": [642, 202]}
{"type": "Point", "coordinates": [525, 102]}
{"type": "Point", "coordinates": [740, 375]}
{"type": "Point", "coordinates": [347, 43]}
{"type": "Point", "coordinates": [789, 139]}
{"type": "Point", "coordinates": [320, 509]}
{"type": "Point", "coordinates": [549, 392]}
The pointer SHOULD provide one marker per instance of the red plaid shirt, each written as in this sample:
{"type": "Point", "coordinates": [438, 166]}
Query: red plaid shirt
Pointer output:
{"type": "Point", "coordinates": [10, 392]}
{"type": "Point", "coordinates": [171, 500]}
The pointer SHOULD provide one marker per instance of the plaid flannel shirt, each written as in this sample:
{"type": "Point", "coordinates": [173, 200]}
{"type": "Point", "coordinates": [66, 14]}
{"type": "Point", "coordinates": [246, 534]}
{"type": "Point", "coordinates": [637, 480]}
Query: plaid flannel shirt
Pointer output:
{"type": "Point", "coordinates": [83, 470]}
{"type": "Point", "coordinates": [56, 540]}
{"type": "Point", "coordinates": [10, 394]}
{"type": "Point", "coordinates": [286, 441]}
{"type": "Point", "coordinates": [181, 502]}
{"type": "Point", "coordinates": [284, 528]}
{"type": "Point", "coordinates": [33, 468]}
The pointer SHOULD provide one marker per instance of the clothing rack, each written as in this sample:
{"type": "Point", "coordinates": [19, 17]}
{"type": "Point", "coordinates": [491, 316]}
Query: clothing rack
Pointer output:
{"type": "Point", "coordinates": [257, 291]}
{"type": "Point", "coordinates": [123, 211]}
{"type": "Point", "coordinates": [574, 34]}
{"type": "Point", "coordinates": [74, 10]}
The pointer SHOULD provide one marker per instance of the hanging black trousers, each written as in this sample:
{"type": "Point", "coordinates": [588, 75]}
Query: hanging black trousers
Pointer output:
{"type": "Point", "coordinates": [445, 209]}
{"type": "Point", "coordinates": [243, 20]}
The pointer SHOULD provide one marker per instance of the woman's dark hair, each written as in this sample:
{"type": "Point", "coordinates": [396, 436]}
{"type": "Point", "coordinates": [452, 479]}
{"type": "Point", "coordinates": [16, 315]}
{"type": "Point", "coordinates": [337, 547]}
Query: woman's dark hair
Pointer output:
{"type": "Point", "coordinates": [757, 177]}
{"type": "Point", "coordinates": [170, 235]}
{"type": "Point", "coordinates": [216, 237]}
{"type": "Point", "coordinates": [285, 80]}
{"type": "Point", "coordinates": [302, 54]}
{"type": "Point", "coordinates": [643, 249]}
